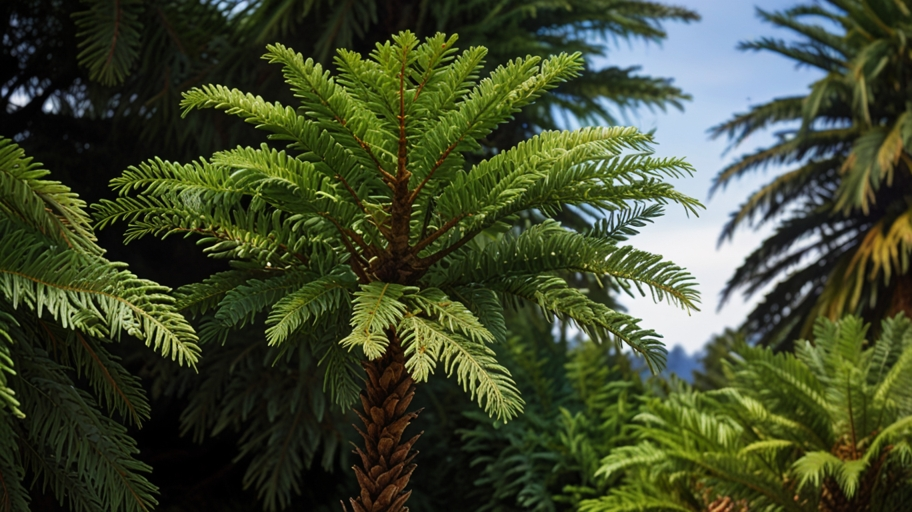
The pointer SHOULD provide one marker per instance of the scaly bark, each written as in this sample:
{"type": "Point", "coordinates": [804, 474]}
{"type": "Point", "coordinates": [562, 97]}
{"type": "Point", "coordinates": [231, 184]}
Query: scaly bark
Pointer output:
{"type": "Point", "coordinates": [386, 461]}
{"type": "Point", "coordinates": [901, 300]}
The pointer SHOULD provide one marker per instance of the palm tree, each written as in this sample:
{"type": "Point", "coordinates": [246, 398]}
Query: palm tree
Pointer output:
{"type": "Point", "coordinates": [828, 428]}
{"type": "Point", "coordinates": [64, 395]}
{"type": "Point", "coordinates": [369, 241]}
{"type": "Point", "coordinates": [843, 234]}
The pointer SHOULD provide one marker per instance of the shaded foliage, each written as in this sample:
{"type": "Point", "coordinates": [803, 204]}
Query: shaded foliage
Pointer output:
{"type": "Point", "coordinates": [826, 428]}
{"type": "Point", "coordinates": [65, 398]}
{"type": "Point", "coordinates": [842, 212]}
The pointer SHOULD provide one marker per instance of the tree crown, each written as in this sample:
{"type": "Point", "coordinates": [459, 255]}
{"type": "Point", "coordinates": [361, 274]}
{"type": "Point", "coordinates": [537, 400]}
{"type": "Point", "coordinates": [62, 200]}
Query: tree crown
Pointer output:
{"type": "Point", "coordinates": [371, 213]}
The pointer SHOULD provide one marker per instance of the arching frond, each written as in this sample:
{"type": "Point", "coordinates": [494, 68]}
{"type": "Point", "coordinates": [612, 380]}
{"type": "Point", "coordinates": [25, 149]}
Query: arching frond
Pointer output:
{"type": "Point", "coordinates": [241, 304]}
{"type": "Point", "coordinates": [318, 298]}
{"type": "Point", "coordinates": [109, 33]}
{"type": "Point", "coordinates": [7, 394]}
{"type": "Point", "coordinates": [46, 206]}
{"type": "Point", "coordinates": [11, 471]}
{"type": "Point", "coordinates": [549, 248]}
{"type": "Point", "coordinates": [781, 436]}
{"type": "Point", "coordinates": [376, 309]}
{"type": "Point", "coordinates": [427, 342]}
{"type": "Point", "coordinates": [196, 299]}
{"type": "Point", "coordinates": [72, 434]}
{"type": "Point", "coordinates": [88, 293]}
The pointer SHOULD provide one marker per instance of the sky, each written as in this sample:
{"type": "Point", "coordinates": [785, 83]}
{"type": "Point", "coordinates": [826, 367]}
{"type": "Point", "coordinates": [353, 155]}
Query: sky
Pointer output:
{"type": "Point", "coordinates": [704, 61]}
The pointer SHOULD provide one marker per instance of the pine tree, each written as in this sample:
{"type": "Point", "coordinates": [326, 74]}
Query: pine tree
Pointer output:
{"type": "Point", "coordinates": [370, 230]}
{"type": "Point", "coordinates": [828, 428]}
{"type": "Point", "coordinates": [63, 395]}
{"type": "Point", "coordinates": [842, 213]}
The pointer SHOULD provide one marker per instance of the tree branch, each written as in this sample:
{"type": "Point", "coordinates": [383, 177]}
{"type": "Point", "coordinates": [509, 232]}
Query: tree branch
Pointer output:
{"type": "Point", "coordinates": [443, 253]}
{"type": "Point", "coordinates": [430, 174]}
{"type": "Point", "coordinates": [437, 234]}
{"type": "Point", "coordinates": [388, 178]}
{"type": "Point", "coordinates": [359, 264]}
{"type": "Point", "coordinates": [353, 194]}
{"type": "Point", "coordinates": [403, 142]}
{"type": "Point", "coordinates": [228, 237]}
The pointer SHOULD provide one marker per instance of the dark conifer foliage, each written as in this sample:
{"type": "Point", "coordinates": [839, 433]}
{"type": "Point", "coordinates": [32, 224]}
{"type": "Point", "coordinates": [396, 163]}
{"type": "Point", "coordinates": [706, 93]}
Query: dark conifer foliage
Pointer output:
{"type": "Point", "coordinates": [826, 428]}
{"type": "Point", "coordinates": [65, 397]}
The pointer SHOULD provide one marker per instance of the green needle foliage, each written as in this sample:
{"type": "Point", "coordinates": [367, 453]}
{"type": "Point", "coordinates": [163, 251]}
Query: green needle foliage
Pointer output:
{"type": "Point", "coordinates": [188, 43]}
{"type": "Point", "coordinates": [63, 394]}
{"type": "Point", "coordinates": [842, 211]}
{"type": "Point", "coordinates": [371, 214]}
{"type": "Point", "coordinates": [828, 428]}
{"type": "Point", "coordinates": [581, 404]}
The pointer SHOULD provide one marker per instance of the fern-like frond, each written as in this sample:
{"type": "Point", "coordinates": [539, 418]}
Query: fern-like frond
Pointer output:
{"type": "Point", "coordinates": [376, 309]}
{"type": "Point", "coordinates": [72, 433]}
{"type": "Point", "coordinates": [485, 304]}
{"type": "Point", "coordinates": [46, 206]}
{"type": "Point", "coordinates": [13, 495]}
{"type": "Point", "coordinates": [196, 299]}
{"type": "Point", "coordinates": [241, 304]}
{"type": "Point", "coordinates": [352, 122]}
{"type": "Point", "coordinates": [109, 33]}
{"type": "Point", "coordinates": [427, 342]}
{"type": "Point", "coordinates": [453, 315]}
{"type": "Point", "coordinates": [343, 376]}
{"type": "Point", "coordinates": [493, 101]}
{"type": "Point", "coordinates": [117, 389]}
{"type": "Point", "coordinates": [601, 167]}
{"type": "Point", "coordinates": [316, 144]}
{"type": "Point", "coordinates": [814, 467]}
{"type": "Point", "coordinates": [7, 394]}
{"type": "Point", "coordinates": [324, 296]}
{"type": "Point", "coordinates": [602, 324]}
{"type": "Point", "coordinates": [550, 248]}
{"type": "Point", "coordinates": [620, 225]}
{"type": "Point", "coordinates": [86, 292]}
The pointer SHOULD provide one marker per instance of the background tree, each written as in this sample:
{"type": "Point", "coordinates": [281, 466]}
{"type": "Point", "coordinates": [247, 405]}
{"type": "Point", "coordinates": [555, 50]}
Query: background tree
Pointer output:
{"type": "Point", "coordinates": [717, 350]}
{"type": "Point", "coordinates": [138, 56]}
{"type": "Point", "coordinates": [64, 397]}
{"type": "Point", "coordinates": [375, 219]}
{"type": "Point", "coordinates": [842, 241]}
{"type": "Point", "coordinates": [828, 428]}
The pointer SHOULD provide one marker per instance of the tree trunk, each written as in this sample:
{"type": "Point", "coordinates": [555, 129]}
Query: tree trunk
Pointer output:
{"type": "Point", "coordinates": [901, 299]}
{"type": "Point", "coordinates": [386, 461]}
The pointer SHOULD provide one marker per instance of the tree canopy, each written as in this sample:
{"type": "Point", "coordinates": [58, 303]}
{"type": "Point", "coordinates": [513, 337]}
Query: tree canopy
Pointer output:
{"type": "Point", "coordinates": [842, 239]}
{"type": "Point", "coordinates": [371, 230]}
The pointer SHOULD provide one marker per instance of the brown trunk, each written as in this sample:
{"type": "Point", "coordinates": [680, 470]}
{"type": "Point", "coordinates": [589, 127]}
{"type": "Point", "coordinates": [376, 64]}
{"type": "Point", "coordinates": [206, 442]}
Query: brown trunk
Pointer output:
{"type": "Point", "coordinates": [902, 296]}
{"type": "Point", "coordinates": [386, 461]}
{"type": "Point", "coordinates": [832, 499]}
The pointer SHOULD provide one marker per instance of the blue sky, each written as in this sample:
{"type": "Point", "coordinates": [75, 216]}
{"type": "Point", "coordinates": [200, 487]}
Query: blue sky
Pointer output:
{"type": "Point", "coordinates": [704, 61]}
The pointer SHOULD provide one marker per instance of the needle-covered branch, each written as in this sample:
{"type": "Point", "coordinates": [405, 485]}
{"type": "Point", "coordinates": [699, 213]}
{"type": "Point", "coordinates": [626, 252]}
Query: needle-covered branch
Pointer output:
{"type": "Point", "coordinates": [416, 107]}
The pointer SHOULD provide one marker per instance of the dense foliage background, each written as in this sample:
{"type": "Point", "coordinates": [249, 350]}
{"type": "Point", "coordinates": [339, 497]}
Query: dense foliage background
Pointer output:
{"type": "Point", "coordinates": [89, 88]}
